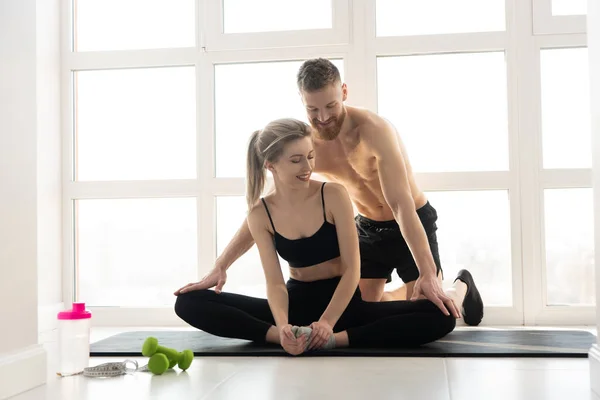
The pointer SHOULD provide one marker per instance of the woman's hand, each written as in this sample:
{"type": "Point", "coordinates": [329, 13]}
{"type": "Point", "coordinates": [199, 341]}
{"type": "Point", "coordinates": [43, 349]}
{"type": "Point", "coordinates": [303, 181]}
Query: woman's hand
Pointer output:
{"type": "Point", "coordinates": [321, 332]}
{"type": "Point", "coordinates": [290, 343]}
{"type": "Point", "coordinates": [215, 278]}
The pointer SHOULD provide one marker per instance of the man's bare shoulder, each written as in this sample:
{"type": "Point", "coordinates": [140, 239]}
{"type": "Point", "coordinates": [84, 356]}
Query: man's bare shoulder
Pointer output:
{"type": "Point", "coordinates": [368, 122]}
{"type": "Point", "coordinates": [373, 129]}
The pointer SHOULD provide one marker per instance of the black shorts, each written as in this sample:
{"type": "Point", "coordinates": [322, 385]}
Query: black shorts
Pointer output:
{"type": "Point", "coordinates": [383, 248]}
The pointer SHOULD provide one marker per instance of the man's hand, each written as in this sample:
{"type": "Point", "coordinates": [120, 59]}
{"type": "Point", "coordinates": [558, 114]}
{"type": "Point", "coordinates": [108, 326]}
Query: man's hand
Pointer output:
{"type": "Point", "coordinates": [321, 332]}
{"type": "Point", "coordinates": [215, 278]}
{"type": "Point", "coordinates": [290, 343]}
{"type": "Point", "coordinates": [429, 287]}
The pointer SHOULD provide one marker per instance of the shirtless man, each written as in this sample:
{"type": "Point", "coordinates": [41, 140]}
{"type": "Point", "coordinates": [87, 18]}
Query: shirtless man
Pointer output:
{"type": "Point", "coordinates": [396, 224]}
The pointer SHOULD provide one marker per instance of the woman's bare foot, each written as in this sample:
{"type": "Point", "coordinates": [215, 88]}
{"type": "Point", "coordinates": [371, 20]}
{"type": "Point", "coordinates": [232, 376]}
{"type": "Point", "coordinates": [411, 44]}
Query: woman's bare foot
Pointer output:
{"type": "Point", "coordinates": [341, 339]}
{"type": "Point", "coordinates": [273, 335]}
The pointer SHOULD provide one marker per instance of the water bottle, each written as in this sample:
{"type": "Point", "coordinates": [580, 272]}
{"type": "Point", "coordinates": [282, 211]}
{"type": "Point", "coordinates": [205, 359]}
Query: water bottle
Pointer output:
{"type": "Point", "coordinates": [73, 340]}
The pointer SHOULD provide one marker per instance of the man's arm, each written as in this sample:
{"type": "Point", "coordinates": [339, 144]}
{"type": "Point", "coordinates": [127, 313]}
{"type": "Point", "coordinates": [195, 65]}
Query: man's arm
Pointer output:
{"type": "Point", "coordinates": [394, 180]}
{"type": "Point", "coordinates": [395, 185]}
{"type": "Point", "coordinates": [241, 242]}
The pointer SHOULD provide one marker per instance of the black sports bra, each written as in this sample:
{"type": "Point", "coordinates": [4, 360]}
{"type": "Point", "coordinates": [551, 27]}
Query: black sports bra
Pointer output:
{"type": "Point", "coordinates": [305, 252]}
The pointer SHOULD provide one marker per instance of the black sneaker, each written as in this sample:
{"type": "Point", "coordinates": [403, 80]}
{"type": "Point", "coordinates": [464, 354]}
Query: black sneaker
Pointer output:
{"type": "Point", "coordinates": [472, 304]}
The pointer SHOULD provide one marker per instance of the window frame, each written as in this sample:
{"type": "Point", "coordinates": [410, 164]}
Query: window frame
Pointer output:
{"type": "Point", "coordinates": [353, 39]}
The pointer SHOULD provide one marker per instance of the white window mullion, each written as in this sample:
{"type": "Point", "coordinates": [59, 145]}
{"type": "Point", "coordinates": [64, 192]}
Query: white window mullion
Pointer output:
{"type": "Point", "coordinates": [492, 180]}
{"type": "Point", "coordinates": [129, 59]}
{"type": "Point", "coordinates": [285, 54]}
{"type": "Point", "coordinates": [529, 127]}
{"type": "Point", "coordinates": [356, 60]}
{"type": "Point", "coordinates": [432, 44]}
{"type": "Point", "coordinates": [205, 149]}
{"type": "Point", "coordinates": [230, 186]}
{"type": "Point", "coordinates": [131, 189]}
{"type": "Point", "coordinates": [560, 41]}
{"type": "Point", "coordinates": [516, 212]}
{"type": "Point", "coordinates": [370, 54]}
{"type": "Point", "coordinates": [207, 218]}
{"type": "Point", "coordinates": [66, 84]}
{"type": "Point", "coordinates": [566, 178]}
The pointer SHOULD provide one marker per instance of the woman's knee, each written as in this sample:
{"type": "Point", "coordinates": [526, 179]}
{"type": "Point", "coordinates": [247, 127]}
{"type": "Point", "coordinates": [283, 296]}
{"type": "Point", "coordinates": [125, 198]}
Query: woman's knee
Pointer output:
{"type": "Point", "coordinates": [446, 325]}
{"type": "Point", "coordinates": [191, 303]}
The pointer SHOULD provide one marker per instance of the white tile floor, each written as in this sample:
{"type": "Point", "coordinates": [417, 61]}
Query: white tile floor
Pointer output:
{"type": "Point", "coordinates": [345, 378]}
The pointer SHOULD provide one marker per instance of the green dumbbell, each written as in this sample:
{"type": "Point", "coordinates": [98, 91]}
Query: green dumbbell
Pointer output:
{"type": "Point", "coordinates": [158, 364]}
{"type": "Point", "coordinates": [183, 359]}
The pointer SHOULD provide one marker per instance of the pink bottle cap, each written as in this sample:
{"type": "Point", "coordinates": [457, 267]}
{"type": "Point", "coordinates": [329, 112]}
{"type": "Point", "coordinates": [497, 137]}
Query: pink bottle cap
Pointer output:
{"type": "Point", "coordinates": [78, 312]}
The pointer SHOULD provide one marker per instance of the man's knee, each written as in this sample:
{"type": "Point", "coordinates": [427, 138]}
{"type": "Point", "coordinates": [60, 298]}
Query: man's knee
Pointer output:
{"type": "Point", "coordinates": [371, 289]}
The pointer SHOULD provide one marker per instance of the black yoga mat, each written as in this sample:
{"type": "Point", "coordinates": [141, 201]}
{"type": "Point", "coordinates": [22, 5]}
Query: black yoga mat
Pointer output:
{"type": "Point", "coordinates": [460, 343]}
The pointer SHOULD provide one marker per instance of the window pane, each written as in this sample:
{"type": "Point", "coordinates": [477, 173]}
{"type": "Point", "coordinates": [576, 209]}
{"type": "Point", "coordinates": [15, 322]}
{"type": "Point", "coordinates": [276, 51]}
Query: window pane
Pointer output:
{"type": "Point", "coordinates": [569, 7]}
{"type": "Point", "coordinates": [480, 245]}
{"type": "Point", "coordinates": [247, 276]}
{"type": "Point", "coordinates": [427, 17]}
{"type": "Point", "coordinates": [135, 252]}
{"type": "Point", "coordinates": [101, 25]}
{"type": "Point", "coordinates": [569, 226]}
{"type": "Point", "coordinates": [275, 15]}
{"type": "Point", "coordinates": [135, 124]}
{"type": "Point", "coordinates": [243, 105]}
{"type": "Point", "coordinates": [566, 108]}
{"type": "Point", "coordinates": [451, 109]}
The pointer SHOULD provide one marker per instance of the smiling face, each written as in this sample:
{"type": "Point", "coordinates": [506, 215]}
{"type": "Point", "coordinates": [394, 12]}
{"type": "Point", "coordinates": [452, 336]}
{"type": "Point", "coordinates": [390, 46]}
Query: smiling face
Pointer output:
{"type": "Point", "coordinates": [296, 163]}
{"type": "Point", "coordinates": [325, 109]}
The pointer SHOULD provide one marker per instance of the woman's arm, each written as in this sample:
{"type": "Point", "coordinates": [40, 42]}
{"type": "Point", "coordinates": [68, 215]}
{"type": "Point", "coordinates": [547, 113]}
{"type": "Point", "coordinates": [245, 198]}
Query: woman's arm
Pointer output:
{"type": "Point", "coordinates": [277, 294]}
{"type": "Point", "coordinates": [343, 215]}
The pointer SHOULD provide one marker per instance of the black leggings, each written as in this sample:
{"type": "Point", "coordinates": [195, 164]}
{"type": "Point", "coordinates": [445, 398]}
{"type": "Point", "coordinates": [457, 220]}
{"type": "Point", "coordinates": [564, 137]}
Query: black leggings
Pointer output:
{"type": "Point", "coordinates": [383, 324]}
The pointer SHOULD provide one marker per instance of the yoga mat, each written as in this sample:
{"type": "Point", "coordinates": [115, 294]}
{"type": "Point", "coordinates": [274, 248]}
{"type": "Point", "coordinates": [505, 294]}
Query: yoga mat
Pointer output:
{"type": "Point", "coordinates": [459, 343]}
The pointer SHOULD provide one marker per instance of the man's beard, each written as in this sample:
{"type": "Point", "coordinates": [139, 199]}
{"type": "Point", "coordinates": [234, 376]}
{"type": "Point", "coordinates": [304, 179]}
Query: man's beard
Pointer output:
{"type": "Point", "coordinates": [332, 130]}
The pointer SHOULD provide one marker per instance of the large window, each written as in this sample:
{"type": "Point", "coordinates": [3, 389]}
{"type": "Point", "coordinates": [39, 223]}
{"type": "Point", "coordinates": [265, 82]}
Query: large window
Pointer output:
{"type": "Point", "coordinates": [133, 24]}
{"type": "Point", "coordinates": [569, 224]}
{"type": "Point", "coordinates": [241, 16]}
{"type": "Point", "coordinates": [135, 124]}
{"type": "Point", "coordinates": [490, 98]}
{"type": "Point", "coordinates": [566, 121]}
{"type": "Point", "coordinates": [412, 18]}
{"type": "Point", "coordinates": [569, 7]}
{"type": "Point", "coordinates": [451, 109]}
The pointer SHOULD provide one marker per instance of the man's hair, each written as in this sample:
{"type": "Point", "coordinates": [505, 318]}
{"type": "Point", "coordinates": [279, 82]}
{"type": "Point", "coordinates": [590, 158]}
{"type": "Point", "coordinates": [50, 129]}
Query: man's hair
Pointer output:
{"type": "Point", "coordinates": [317, 73]}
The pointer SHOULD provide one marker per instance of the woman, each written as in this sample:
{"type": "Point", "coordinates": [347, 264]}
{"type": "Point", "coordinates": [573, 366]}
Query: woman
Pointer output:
{"type": "Point", "coordinates": [311, 225]}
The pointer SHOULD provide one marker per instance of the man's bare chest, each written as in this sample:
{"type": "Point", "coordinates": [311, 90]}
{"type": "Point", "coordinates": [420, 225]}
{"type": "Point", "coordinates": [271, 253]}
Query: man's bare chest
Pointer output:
{"type": "Point", "coordinates": [345, 162]}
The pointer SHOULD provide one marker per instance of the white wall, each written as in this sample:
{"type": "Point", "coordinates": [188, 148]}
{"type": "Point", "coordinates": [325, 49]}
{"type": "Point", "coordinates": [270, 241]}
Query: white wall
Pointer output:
{"type": "Point", "coordinates": [593, 29]}
{"type": "Point", "coordinates": [48, 163]}
{"type": "Point", "coordinates": [18, 174]}
{"type": "Point", "coordinates": [26, 121]}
